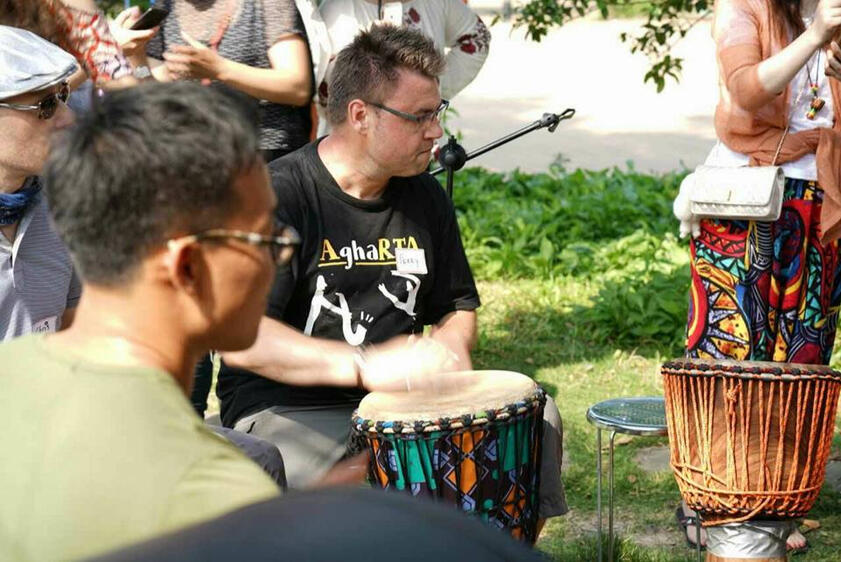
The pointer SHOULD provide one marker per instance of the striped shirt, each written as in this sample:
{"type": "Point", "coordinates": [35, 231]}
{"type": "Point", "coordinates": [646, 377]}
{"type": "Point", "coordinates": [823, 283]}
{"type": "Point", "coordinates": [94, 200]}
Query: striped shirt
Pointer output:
{"type": "Point", "coordinates": [37, 279]}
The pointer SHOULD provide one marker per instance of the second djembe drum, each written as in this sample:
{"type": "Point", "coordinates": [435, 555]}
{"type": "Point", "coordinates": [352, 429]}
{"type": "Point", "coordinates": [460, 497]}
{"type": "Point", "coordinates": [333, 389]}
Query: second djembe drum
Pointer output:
{"type": "Point", "coordinates": [477, 446]}
{"type": "Point", "coordinates": [749, 441]}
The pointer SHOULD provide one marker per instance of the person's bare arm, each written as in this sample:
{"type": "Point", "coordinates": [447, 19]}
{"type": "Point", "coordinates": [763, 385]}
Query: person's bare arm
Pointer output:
{"type": "Point", "coordinates": [283, 354]}
{"type": "Point", "coordinates": [457, 331]}
{"type": "Point", "coordinates": [753, 82]}
{"type": "Point", "coordinates": [286, 82]}
{"type": "Point", "coordinates": [86, 5]}
{"type": "Point", "coordinates": [776, 72]}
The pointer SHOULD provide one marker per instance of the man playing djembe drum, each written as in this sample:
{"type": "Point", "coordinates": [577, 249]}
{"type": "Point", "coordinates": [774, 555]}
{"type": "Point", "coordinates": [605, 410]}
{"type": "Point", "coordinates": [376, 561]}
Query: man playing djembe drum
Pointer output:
{"type": "Point", "coordinates": [381, 259]}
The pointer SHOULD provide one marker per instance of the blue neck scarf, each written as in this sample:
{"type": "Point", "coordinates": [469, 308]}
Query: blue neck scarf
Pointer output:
{"type": "Point", "coordinates": [14, 205]}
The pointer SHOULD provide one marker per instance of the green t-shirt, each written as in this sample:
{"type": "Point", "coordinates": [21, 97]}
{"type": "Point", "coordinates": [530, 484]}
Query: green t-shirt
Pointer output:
{"type": "Point", "coordinates": [96, 457]}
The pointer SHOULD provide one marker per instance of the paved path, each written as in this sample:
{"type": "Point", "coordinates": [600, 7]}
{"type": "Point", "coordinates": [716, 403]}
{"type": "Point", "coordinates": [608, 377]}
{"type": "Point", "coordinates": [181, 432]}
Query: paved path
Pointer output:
{"type": "Point", "coordinates": [584, 65]}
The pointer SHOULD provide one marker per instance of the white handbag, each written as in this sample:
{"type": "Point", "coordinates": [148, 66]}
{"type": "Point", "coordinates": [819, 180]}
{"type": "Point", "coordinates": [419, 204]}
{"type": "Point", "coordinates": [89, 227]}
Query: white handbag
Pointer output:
{"type": "Point", "coordinates": [736, 193]}
{"type": "Point", "coordinates": [744, 193]}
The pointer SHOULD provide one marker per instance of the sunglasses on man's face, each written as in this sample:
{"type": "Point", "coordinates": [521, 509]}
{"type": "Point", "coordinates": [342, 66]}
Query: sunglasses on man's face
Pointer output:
{"type": "Point", "coordinates": [421, 119]}
{"type": "Point", "coordinates": [47, 106]}
{"type": "Point", "coordinates": [281, 242]}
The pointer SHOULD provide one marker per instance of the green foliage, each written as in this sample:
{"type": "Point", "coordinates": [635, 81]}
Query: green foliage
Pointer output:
{"type": "Point", "coordinates": [666, 22]}
{"type": "Point", "coordinates": [562, 223]}
{"type": "Point", "coordinates": [609, 230]}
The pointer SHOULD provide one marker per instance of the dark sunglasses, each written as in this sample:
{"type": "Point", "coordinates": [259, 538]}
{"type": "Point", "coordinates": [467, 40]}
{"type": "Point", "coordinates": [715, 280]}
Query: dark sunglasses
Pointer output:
{"type": "Point", "coordinates": [47, 106]}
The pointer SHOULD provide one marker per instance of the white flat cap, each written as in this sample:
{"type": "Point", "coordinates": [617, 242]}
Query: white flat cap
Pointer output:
{"type": "Point", "coordinates": [29, 63]}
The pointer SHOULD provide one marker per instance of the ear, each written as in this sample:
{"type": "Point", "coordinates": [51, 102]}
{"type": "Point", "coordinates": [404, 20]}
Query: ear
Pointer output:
{"type": "Point", "coordinates": [357, 115]}
{"type": "Point", "coordinates": [182, 266]}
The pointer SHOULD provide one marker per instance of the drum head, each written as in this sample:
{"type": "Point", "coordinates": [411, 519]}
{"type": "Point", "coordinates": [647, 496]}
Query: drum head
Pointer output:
{"type": "Point", "coordinates": [462, 393]}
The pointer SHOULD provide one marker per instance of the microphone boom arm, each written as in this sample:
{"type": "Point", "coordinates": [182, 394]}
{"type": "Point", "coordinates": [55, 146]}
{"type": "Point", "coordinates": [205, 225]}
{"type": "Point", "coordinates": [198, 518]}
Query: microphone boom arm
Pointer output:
{"type": "Point", "coordinates": [453, 157]}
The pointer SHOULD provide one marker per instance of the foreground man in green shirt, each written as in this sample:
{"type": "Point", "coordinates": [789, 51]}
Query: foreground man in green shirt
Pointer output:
{"type": "Point", "coordinates": [163, 199]}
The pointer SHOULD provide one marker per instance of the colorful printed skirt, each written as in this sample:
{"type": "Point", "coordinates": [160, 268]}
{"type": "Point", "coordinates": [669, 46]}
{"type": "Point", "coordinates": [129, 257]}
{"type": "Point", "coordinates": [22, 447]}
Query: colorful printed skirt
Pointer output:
{"type": "Point", "coordinates": [766, 291]}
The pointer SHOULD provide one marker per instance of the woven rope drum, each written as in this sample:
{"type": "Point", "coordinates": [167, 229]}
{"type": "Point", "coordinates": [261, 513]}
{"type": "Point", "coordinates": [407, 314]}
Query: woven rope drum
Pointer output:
{"type": "Point", "coordinates": [749, 440]}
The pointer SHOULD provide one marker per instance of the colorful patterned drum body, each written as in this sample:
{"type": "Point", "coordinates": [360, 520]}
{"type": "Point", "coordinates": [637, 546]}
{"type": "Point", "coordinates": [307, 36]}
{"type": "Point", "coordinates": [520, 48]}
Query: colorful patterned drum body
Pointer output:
{"type": "Point", "coordinates": [478, 447]}
{"type": "Point", "coordinates": [749, 440]}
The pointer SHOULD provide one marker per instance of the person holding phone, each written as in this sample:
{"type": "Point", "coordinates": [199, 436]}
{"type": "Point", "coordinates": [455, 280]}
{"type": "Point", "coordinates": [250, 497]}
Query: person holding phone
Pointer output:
{"type": "Point", "coordinates": [258, 47]}
{"type": "Point", "coordinates": [105, 52]}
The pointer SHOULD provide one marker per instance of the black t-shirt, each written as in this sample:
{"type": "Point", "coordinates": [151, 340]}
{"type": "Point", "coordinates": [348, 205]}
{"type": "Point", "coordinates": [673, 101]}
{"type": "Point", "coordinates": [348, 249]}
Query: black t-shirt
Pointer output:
{"type": "Point", "coordinates": [366, 271]}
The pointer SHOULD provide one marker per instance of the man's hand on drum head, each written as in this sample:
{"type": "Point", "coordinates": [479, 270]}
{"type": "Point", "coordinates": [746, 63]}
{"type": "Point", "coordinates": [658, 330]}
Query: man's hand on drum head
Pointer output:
{"type": "Point", "coordinates": [408, 365]}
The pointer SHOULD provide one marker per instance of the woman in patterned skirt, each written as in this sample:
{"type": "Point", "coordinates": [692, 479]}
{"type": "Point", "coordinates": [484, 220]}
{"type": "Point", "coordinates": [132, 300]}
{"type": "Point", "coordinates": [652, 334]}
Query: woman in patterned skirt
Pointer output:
{"type": "Point", "coordinates": [770, 291]}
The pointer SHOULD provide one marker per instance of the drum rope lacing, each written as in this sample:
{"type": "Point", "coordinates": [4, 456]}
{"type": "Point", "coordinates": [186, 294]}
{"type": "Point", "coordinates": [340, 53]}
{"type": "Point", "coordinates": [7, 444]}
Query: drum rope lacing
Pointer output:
{"type": "Point", "coordinates": [447, 423]}
{"type": "Point", "coordinates": [786, 484]}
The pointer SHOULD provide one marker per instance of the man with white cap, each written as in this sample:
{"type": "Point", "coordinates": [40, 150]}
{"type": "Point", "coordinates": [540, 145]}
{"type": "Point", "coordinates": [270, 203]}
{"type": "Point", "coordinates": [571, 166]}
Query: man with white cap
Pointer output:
{"type": "Point", "coordinates": [38, 286]}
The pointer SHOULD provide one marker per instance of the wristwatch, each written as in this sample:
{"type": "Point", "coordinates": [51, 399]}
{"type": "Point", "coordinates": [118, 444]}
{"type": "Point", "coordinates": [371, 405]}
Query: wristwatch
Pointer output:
{"type": "Point", "coordinates": [142, 72]}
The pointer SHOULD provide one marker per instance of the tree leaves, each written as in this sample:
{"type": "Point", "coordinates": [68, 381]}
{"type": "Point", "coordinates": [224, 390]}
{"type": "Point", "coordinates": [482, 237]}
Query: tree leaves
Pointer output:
{"type": "Point", "coordinates": [667, 21]}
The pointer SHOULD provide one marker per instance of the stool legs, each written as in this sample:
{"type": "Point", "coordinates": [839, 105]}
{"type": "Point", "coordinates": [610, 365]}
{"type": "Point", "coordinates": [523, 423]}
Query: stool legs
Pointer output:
{"type": "Point", "coordinates": [599, 488]}
{"type": "Point", "coordinates": [609, 493]}
{"type": "Point", "coordinates": [610, 500]}
{"type": "Point", "coordinates": [698, 535]}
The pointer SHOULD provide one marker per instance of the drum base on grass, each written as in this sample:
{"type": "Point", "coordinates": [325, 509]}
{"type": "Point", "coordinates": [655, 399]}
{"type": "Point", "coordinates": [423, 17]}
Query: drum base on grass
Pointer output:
{"type": "Point", "coordinates": [752, 540]}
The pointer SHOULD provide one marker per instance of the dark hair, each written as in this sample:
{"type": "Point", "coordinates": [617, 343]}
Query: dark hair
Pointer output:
{"type": "Point", "coordinates": [367, 68]}
{"type": "Point", "coordinates": [38, 16]}
{"type": "Point", "coordinates": [145, 164]}
{"type": "Point", "coordinates": [788, 18]}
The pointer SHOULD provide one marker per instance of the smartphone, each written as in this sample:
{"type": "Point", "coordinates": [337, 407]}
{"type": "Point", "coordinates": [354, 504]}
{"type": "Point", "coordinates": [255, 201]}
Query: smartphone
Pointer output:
{"type": "Point", "coordinates": [150, 18]}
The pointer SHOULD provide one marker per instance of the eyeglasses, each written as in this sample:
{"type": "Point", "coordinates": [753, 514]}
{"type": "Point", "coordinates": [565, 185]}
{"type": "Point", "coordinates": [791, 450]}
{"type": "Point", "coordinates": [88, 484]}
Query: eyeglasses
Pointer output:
{"type": "Point", "coordinates": [281, 244]}
{"type": "Point", "coordinates": [422, 119]}
{"type": "Point", "coordinates": [47, 106]}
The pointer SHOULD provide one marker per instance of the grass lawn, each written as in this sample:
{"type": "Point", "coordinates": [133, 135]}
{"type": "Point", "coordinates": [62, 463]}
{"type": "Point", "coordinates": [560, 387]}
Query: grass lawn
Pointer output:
{"type": "Point", "coordinates": [531, 327]}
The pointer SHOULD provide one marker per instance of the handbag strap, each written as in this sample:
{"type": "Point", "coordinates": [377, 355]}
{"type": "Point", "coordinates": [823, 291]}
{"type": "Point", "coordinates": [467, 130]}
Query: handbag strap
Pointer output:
{"type": "Point", "coordinates": [219, 32]}
{"type": "Point", "coordinates": [223, 24]}
{"type": "Point", "coordinates": [785, 131]}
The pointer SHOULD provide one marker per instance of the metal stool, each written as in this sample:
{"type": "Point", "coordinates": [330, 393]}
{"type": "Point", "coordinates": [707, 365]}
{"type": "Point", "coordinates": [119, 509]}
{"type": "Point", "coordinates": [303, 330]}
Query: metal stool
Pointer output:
{"type": "Point", "coordinates": [635, 416]}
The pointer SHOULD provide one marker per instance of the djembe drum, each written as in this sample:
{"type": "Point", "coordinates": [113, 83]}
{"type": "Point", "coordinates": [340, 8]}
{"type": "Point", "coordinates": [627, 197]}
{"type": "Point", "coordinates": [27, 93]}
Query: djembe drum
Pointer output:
{"type": "Point", "coordinates": [477, 446]}
{"type": "Point", "coordinates": [749, 445]}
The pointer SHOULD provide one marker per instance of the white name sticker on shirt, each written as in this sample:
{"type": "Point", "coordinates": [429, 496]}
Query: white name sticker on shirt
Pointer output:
{"type": "Point", "coordinates": [410, 260]}
{"type": "Point", "coordinates": [47, 325]}
{"type": "Point", "coordinates": [393, 13]}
